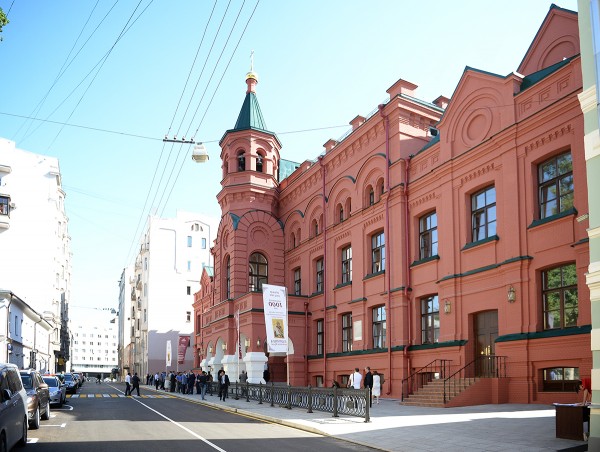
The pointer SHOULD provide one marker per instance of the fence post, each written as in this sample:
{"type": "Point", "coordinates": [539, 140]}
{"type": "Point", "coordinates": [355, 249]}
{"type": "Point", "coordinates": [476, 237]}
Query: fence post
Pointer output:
{"type": "Point", "coordinates": [247, 392]}
{"type": "Point", "coordinates": [309, 399]}
{"type": "Point", "coordinates": [335, 401]}
{"type": "Point", "coordinates": [289, 401]}
{"type": "Point", "coordinates": [272, 394]}
{"type": "Point", "coordinates": [367, 407]}
{"type": "Point", "coordinates": [236, 391]}
{"type": "Point", "coordinates": [260, 393]}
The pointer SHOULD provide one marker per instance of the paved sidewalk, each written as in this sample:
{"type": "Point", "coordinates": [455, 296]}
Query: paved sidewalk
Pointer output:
{"type": "Point", "coordinates": [395, 427]}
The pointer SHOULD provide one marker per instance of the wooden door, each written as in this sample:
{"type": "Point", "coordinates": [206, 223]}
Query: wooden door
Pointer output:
{"type": "Point", "coordinates": [486, 332]}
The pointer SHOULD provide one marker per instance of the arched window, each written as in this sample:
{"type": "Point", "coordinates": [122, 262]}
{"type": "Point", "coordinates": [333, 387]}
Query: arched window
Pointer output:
{"type": "Point", "coordinates": [340, 213]}
{"type": "Point", "coordinates": [258, 272]}
{"type": "Point", "coordinates": [241, 161]}
{"type": "Point", "coordinates": [380, 187]}
{"type": "Point", "coordinates": [315, 228]}
{"type": "Point", "coordinates": [228, 278]}
{"type": "Point", "coordinates": [225, 168]}
{"type": "Point", "coordinates": [292, 240]}
{"type": "Point", "coordinates": [259, 163]}
{"type": "Point", "coordinates": [370, 196]}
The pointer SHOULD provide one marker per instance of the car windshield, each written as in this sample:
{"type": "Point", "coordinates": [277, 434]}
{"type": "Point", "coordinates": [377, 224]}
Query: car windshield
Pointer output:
{"type": "Point", "coordinates": [50, 381]}
{"type": "Point", "coordinates": [26, 381]}
{"type": "Point", "coordinates": [68, 377]}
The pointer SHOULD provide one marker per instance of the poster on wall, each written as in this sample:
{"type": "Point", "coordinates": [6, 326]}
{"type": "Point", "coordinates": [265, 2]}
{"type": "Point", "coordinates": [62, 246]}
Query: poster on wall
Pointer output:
{"type": "Point", "coordinates": [168, 358]}
{"type": "Point", "coordinates": [184, 343]}
{"type": "Point", "coordinates": [275, 307]}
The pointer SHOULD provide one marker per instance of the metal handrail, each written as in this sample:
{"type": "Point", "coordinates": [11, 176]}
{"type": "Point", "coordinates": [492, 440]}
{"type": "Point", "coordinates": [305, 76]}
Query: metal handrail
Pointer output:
{"type": "Point", "coordinates": [484, 366]}
{"type": "Point", "coordinates": [422, 376]}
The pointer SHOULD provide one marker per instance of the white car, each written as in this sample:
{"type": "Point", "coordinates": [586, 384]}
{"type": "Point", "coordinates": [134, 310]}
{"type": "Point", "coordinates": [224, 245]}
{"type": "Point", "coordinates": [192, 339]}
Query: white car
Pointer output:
{"type": "Point", "coordinates": [58, 391]}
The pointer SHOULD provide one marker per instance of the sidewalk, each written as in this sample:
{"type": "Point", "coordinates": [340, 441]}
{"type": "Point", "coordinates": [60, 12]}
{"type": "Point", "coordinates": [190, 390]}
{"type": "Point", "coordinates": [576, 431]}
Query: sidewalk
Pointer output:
{"type": "Point", "coordinates": [395, 427]}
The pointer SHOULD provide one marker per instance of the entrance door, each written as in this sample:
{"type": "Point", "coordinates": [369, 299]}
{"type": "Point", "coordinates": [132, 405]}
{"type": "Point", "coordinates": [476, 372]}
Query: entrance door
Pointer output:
{"type": "Point", "coordinates": [486, 332]}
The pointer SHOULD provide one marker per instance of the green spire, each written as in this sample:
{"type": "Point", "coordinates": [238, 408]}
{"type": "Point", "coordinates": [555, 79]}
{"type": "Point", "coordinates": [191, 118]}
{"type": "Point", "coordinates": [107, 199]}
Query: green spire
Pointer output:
{"type": "Point", "coordinates": [250, 116]}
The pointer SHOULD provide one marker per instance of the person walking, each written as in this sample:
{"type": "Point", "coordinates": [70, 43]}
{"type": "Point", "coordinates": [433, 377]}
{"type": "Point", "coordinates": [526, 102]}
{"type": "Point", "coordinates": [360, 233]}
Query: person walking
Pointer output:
{"type": "Point", "coordinates": [135, 380]}
{"type": "Point", "coordinates": [209, 383]}
{"type": "Point", "coordinates": [376, 386]}
{"type": "Point", "coordinates": [355, 379]}
{"type": "Point", "coordinates": [203, 382]}
{"type": "Point", "coordinates": [156, 380]}
{"type": "Point", "coordinates": [191, 382]}
{"type": "Point", "coordinates": [128, 384]}
{"type": "Point", "coordinates": [368, 383]}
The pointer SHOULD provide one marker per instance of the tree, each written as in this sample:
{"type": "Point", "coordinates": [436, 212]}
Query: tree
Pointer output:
{"type": "Point", "coordinates": [3, 21]}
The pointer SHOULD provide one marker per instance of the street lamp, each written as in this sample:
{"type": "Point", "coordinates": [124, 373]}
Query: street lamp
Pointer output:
{"type": "Point", "coordinates": [199, 154]}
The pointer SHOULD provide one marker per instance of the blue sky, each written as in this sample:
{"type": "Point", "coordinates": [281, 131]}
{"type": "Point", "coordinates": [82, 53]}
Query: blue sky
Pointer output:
{"type": "Point", "coordinates": [320, 63]}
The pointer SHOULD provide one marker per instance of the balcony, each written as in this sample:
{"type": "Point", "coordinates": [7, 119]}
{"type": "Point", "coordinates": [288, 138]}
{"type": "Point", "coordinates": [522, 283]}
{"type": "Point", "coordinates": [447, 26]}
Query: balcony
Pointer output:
{"type": "Point", "coordinates": [5, 207]}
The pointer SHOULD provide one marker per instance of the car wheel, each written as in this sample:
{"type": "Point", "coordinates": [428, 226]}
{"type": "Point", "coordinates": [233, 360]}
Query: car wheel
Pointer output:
{"type": "Point", "coordinates": [34, 424]}
{"type": "Point", "coordinates": [23, 440]}
{"type": "Point", "coordinates": [3, 447]}
{"type": "Point", "coordinates": [46, 415]}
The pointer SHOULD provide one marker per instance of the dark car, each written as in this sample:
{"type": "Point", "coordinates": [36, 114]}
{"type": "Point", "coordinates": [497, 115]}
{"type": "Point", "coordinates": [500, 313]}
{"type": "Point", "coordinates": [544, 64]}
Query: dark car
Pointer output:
{"type": "Point", "coordinates": [71, 383]}
{"type": "Point", "coordinates": [13, 408]}
{"type": "Point", "coordinates": [38, 397]}
{"type": "Point", "coordinates": [58, 391]}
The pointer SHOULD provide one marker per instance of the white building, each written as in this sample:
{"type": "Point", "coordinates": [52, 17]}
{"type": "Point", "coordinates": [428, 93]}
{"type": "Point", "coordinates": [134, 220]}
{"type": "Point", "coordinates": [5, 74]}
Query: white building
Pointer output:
{"type": "Point", "coordinates": [34, 239]}
{"type": "Point", "coordinates": [94, 345]}
{"type": "Point", "coordinates": [168, 267]}
{"type": "Point", "coordinates": [27, 342]}
{"type": "Point", "coordinates": [127, 296]}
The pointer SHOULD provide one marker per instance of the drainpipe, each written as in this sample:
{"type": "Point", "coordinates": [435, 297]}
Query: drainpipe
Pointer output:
{"type": "Point", "coordinates": [388, 270]}
{"type": "Point", "coordinates": [306, 343]}
{"type": "Point", "coordinates": [325, 291]}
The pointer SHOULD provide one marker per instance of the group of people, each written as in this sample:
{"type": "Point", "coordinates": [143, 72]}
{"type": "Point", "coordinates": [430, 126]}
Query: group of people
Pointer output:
{"type": "Point", "coordinates": [185, 382]}
{"type": "Point", "coordinates": [372, 380]}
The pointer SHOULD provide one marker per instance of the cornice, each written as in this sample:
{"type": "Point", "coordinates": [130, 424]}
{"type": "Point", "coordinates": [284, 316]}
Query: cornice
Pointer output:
{"type": "Point", "coordinates": [588, 100]}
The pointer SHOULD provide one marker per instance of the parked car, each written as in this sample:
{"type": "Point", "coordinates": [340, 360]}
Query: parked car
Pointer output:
{"type": "Point", "coordinates": [38, 397]}
{"type": "Point", "coordinates": [13, 408]}
{"type": "Point", "coordinates": [58, 390]}
{"type": "Point", "coordinates": [71, 383]}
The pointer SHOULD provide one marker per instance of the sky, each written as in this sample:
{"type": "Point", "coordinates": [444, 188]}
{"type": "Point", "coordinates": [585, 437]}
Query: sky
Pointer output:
{"type": "Point", "coordinates": [104, 81]}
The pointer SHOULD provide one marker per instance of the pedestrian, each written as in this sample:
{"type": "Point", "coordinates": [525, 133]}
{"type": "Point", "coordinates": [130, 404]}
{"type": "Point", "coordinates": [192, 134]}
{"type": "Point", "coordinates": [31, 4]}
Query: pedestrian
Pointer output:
{"type": "Point", "coordinates": [209, 382]}
{"type": "Point", "coordinates": [191, 382]}
{"type": "Point", "coordinates": [147, 379]}
{"type": "Point", "coordinates": [243, 381]}
{"type": "Point", "coordinates": [135, 380]}
{"type": "Point", "coordinates": [173, 380]}
{"type": "Point", "coordinates": [368, 383]}
{"type": "Point", "coordinates": [355, 379]}
{"type": "Point", "coordinates": [163, 378]}
{"type": "Point", "coordinates": [156, 380]}
{"type": "Point", "coordinates": [376, 386]}
{"type": "Point", "coordinates": [128, 384]}
{"type": "Point", "coordinates": [223, 385]}
{"type": "Point", "coordinates": [203, 382]}
{"type": "Point", "coordinates": [99, 379]}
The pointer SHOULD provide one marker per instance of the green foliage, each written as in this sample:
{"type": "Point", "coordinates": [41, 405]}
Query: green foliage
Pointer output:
{"type": "Point", "coordinates": [3, 21]}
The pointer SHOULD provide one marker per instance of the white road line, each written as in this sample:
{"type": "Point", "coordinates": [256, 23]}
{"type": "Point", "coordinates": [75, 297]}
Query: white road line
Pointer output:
{"type": "Point", "coordinates": [46, 425]}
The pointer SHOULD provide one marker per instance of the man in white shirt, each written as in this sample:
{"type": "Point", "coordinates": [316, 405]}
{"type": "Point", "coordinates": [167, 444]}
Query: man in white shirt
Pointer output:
{"type": "Point", "coordinates": [356, 379]}
{"type": "Point", "coordinates": [128, 384]}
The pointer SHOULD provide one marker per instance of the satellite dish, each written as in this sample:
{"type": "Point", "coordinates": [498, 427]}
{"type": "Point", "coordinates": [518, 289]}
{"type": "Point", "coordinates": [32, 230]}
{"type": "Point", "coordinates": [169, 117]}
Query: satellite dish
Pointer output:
{"type": "Point", "coordinates": [199, 154]}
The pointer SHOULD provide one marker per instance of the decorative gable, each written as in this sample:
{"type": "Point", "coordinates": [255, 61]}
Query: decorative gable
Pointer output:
{"type": "Point", "coordinates": [482, 105]}
{"type": "Point", "coordinates": [557, 39]}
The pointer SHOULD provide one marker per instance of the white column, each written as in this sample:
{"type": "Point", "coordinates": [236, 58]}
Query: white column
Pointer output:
{"type": "Point", "coordinates": [255, 365]}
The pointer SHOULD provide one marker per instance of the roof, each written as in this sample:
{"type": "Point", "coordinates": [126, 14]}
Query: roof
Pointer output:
{"type": "Point", "coordinates": [250, 116]}
{"type": "Point", "coordinates": [210, 271]}
{"type": "Point", "coordinates": [534, 78]}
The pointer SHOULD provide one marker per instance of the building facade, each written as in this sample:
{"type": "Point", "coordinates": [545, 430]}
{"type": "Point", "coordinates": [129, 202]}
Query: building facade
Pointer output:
{"type": "Point", "coordinates": [95, 345]}
{"type": "Point", "coordinates": [127, 296]}
{"type": "Point", "coordinates": [34, 239]}
{"type": "Point", "coordinates": [167, 272]}
{"type": "Point", "coordinates": [589, 29]}
{"type": "Point", "coordinates": [448, 231]}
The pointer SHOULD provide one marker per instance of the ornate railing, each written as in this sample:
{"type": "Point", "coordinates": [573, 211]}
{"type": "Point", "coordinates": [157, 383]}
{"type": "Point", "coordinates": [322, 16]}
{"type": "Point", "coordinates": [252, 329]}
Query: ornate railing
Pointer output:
{"type": "Point", "coordinates": [437, 369]}
{"type": "Point", "coordinates": [349, 402]}
{"type": "Point", "coordinates": [484, 366]}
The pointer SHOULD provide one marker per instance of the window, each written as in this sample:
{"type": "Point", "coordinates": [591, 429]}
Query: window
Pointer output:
{"type": "Point", "coordinates": [4, 205]}
{"type": "Point", "coordinates": [228, 279]}
{"type": "Point", "coordinates": [371, 196]}
{"type": "Point", "coordinates": [560, 379]}
{"type": "Point", "coordinates": [241, 161]}
{"type": "Point", "coordinates": [203, 243]}
{"type": "Point", "coordinates": [319, 383]}
{"type": "Point", "coordinates": [347, 332]}
{"type": "Point", "coordinates": [430, 319]}
{"type": "Point", "coordinates": [347, 264]}
{"type": "Point", "coordinates": [340, 213]}
{"type": "Point", "coordinates": [555, 185]}
{"type": "Point", "coordinates": [189, 241]}
{"type": "Point", "coordinates": [257, 272]}
{"type": "Point", "coordinates": [188, 290]}
{"type": "Point", "coordinates": [188, 316]}
{"type": "Point", "coordinates": [297, 281]}
{"type": "Point", "coordinates": [320, 337]}
{"type": "Point", "coordinates": [319, 275]}
{"type": "Point", "coordinates": [559, 294]}
{"type": "Point", "coordinates": [189, 265]}
{"type": "Point", "coordinates": [379, 327]}
{"type": "Point", "coordinates": [378, 252]}
{"type": "Point", "coordinates": [483, 214]}
{"type": "Point", "coordinates": [145, 263]}
{"type": "Point", "coordinates": [259, 163]}
{"type": "Point", "coordinates": [315, 227]}
{"type": "Point", "coordinates": [428, 236]}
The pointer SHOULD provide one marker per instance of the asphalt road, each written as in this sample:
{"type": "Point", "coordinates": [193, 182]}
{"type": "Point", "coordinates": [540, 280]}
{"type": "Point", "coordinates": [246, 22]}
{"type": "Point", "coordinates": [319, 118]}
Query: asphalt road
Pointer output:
{"type": "Point", "coordinates": [99, 418]}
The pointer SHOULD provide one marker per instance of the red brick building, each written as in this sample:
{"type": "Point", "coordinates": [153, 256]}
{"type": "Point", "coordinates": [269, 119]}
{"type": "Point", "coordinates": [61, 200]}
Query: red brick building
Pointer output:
{"type": "Point", "coordinates": [445, 230]}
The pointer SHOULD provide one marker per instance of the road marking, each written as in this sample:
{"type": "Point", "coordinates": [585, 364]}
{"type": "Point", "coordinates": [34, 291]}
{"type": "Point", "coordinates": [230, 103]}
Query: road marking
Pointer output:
{"type": "Point", "coordinates": [47, 425]}
{"type": "Point", "coordinates": [32, 440]}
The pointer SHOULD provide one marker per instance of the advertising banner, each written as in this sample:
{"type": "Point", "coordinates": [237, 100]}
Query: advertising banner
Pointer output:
{"type": "Point", "coordinates": [168, 359]}
{"type": "Point", "coordinates": [184, 343]}
{"type": "Point", "coordinates": [275, 306]}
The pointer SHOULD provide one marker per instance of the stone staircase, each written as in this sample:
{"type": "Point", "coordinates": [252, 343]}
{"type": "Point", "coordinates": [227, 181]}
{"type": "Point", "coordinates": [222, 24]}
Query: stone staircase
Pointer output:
{"type": "Point", "coordinates": [432, 394]}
